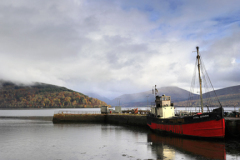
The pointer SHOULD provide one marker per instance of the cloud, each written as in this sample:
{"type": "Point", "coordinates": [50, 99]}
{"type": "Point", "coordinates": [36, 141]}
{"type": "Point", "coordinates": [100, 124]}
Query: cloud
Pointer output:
{"type": "Point", "coordinates": [118, 47]}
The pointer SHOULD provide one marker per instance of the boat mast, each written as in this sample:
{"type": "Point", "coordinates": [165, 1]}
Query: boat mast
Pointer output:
{"type": "Point", "coordinates": [200, 80]}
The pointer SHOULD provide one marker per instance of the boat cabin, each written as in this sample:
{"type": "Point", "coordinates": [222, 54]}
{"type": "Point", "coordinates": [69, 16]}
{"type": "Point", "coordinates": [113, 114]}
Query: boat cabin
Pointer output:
{"type": "Point", "coordinates": [164, 108]}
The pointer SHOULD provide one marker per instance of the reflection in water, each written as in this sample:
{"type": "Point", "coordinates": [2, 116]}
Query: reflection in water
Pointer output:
{"type": "Point", "coordinates": [166, 146]}
{"type": "Point", "coordinates": [37, 139]}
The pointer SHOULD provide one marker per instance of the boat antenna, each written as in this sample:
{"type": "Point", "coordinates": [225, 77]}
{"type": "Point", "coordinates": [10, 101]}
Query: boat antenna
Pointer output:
{"type": "Point", "coordinates": [200, 80]}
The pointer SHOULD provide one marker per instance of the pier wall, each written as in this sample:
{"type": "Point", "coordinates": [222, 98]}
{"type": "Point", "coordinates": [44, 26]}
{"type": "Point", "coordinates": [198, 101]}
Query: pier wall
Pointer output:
{"type": "Point", "coordinates": [68, 118]}
{"type": "Point", "coordinates": [136, 120]}
{"type": "Point", "coordinates": [128, 119]}
{"type": "Point", "coordinates": [232, 125]}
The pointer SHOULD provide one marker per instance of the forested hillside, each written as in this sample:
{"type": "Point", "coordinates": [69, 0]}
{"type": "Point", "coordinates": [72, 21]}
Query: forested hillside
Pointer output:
{"type": "Point", "coordinates": [226, 100]}
{"type": "Point", "coordinates": [44, 96]}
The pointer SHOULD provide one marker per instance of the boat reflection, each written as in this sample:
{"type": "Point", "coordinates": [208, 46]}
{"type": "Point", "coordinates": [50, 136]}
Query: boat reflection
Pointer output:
{"type": "Point", "coordinates": [166, 147]}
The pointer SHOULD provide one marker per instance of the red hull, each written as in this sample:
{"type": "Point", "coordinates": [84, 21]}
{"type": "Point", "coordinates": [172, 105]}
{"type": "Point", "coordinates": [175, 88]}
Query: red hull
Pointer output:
{"type": "Point", "coordinates": [212, 128]}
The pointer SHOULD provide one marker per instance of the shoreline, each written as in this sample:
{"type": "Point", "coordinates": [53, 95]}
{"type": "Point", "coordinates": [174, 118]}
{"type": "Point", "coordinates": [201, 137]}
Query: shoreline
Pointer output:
{"type": "Point", "coordinates": [100, 108]}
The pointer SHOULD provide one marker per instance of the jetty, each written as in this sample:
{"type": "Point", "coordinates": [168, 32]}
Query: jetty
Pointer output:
{"type": "Point", "coordinates": [232, 127]}
{"type": "Point", "coordinates": [93, 117]}
{"type": "Point", "coordinates": [232, 124]}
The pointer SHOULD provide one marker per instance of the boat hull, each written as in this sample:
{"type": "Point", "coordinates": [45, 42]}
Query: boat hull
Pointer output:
{"type": "Point", "coordinates": [211, 125]}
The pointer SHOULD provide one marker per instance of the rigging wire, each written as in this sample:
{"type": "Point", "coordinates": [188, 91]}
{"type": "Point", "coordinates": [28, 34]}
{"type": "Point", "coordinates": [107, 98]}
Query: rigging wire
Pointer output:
{"type": "Point", "coordinates": [208, 98]}
{"type": "Point", "coordinates": [191, 93]}
{"type": "Point", "coordinates": [216, 97]}
{"type": "Point", "coordinates": [207, 95]}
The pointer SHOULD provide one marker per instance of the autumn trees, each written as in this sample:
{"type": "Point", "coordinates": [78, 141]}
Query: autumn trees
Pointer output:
{"type": "Point", "coordinates": [44, 96]}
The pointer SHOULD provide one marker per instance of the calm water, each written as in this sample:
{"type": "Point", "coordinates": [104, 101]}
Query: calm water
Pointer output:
{"type": "Point", "coordinates": [43, 112]}
{"type": "Point", "coordinates": [50, 112]}
{"type": "Point", "coordinates": [41, 140]}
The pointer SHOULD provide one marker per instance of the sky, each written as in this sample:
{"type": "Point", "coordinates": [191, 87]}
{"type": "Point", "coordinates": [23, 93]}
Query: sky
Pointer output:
{"type": "Point", "coordinates": [115, 47]}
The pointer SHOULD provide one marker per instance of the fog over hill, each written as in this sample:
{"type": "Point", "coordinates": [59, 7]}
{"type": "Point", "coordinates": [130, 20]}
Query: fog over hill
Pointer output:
{"type": "Point", "coordinates": [94, 95]}
{"type": "Point", "coordinates": [22, 95]}
{"type": "Point", "coordinates": [176, 93]}
{"type": "Point", "coordinates": [227, 96]}
{"type": "Point", "coordinates": [42, 95]}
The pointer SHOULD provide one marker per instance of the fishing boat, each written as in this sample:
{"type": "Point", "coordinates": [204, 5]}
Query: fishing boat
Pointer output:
{"type": "Point", "coordinates": [208, 124]}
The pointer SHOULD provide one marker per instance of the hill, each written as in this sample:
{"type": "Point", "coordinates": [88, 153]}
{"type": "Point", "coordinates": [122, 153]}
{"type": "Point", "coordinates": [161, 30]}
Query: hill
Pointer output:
{"type": "Point", "coordinates": [42, 95]}
{"type": "Point", "coordinates": [229, 96]}
{"type": "Point", "coordinates": [140, 99]}
{"type": "Point", "coordinates": [94, 95]}
{"type": "Point", "coordinates": [228, 90]}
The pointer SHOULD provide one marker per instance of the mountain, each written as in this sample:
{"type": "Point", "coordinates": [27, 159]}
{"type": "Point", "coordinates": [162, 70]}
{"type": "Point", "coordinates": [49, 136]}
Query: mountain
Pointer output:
{"type": "Point", "coordinates": [228, 90]}
{"type": "Point", "coordinates": [41, 95]}
{"type": "Point", "coordinates": [140, 99]}
{"type": "Point", "coordinates": [94, 95]}
{"type": "Point", "coordinates": [229, 96]}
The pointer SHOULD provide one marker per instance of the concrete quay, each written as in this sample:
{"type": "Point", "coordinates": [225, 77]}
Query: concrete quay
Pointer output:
{"type": "Point", "coordinates": [121, 119]}
{"type": "Point", "coordinates": [127, 119]}
{"type": "Point", "coordinates": [79, 118]}
{"type": "Point", "coordinates": [232, 127]}
{"type": "Point", "coordinates": [232, 124]}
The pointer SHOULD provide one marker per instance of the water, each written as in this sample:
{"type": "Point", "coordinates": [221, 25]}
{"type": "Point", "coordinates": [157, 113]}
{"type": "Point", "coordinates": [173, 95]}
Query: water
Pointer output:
{"type": "Point", "coordinates": [39, 140]}
{"type": "Point", "coordinates": [43, 112]}
{"type": "Point", "coordinates": [50, 112]}
{"type": "Point", "coordinates": [33, 139]}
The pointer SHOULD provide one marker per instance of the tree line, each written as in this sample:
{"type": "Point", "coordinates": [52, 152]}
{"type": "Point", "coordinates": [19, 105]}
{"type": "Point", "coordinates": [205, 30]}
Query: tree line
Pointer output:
{"type": "Point", "coordinates": [45, 96]}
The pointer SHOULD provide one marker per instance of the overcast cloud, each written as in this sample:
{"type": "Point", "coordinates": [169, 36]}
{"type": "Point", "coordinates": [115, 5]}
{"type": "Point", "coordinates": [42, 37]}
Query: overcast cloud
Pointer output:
{"type": "Point", "coordinates": [115, 47]}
